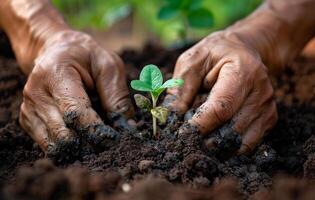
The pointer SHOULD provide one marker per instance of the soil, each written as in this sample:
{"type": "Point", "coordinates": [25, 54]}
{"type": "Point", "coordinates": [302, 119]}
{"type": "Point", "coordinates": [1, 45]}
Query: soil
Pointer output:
{"type": "Point", "coordinates": [177, 165]}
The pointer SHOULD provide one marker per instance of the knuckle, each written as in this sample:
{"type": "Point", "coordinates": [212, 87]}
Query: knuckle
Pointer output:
{"type": "Point", "coordinates": [59, 131]}
{"type": "Point", "coordinates": [106, 62]}
{"type": "Point", "coordinates": [183, 59]}
{"type": "Point", "coordinates": [223, 108]}
{"type": "Point", "coordinates": [118, 61]}
{"type": "Point", "coordinates": [23, 117]}
{"type": "Point", "coordinates": [266, 91]}
{"type": "Point", "coordinates": [269, 92]}
{"type": "Point", "coordinates": [266, 94]}
{"type": "Point", "coordinates": [260, 71]}
{"type": "Point", "coordinates": [188, 58]}
{"type": "Point", "coordinates": [23, 108]}
{"type": "Point", "coordinates": [27, 91]}
{"type": "Point", "coordinates": [71, 106]}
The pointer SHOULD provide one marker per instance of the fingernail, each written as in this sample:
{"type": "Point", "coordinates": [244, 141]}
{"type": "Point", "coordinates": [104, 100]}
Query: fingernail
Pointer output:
{"type": "Point", "coordinates": [211, 143]}
{"type": "Point", "coordinates": [63, 150]}
{"type": "Point", "coordinates": [187, 128]}
{"type": "Point", "coordinates": [51, 149]}
{"type": "Point", "coordinates": [102, 132]}
{"type": "Point", "coordinates": [244, 149]}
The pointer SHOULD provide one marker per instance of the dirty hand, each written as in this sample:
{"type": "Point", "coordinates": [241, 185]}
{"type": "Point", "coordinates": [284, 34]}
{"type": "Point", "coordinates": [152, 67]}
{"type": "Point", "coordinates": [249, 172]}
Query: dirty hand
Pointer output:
{"type": "Point", "coordinates": [231, 65]}
{"type": "Point", "coordinates": [55, 96]}
{"type": "Point", "coordinates": [239, 87]}
{"type": "Point", "coordinates": [61, 65]}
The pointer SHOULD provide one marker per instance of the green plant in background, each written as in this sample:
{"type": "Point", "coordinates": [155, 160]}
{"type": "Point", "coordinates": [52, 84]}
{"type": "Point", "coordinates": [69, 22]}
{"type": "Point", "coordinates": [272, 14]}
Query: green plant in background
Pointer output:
{"type": "Point", "coordinates": [151, 80]}
{"type": "Point", "coordinates": [100, 14]}
{"type": "Point", "coordinates": [191, 13]}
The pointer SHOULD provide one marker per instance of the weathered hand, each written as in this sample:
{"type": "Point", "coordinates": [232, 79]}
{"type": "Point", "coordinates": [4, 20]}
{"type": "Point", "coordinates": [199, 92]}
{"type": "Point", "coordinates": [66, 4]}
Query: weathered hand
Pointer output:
{"type": "Point", "coordinates": [55, 95]}
{"type": "Point", "coordinates": [240, 89]}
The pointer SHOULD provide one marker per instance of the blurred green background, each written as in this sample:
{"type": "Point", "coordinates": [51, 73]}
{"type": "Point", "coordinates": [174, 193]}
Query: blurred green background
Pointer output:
{"type": "Point", "coordinates": [101, 14]}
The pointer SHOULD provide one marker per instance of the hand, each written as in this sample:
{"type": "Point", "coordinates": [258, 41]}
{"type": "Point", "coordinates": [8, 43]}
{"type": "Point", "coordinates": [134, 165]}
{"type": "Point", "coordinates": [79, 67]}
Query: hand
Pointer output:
{"type": "Point", "coordinates": [55, 95]}
{"type": "Point", "coordinates": [240, 89]}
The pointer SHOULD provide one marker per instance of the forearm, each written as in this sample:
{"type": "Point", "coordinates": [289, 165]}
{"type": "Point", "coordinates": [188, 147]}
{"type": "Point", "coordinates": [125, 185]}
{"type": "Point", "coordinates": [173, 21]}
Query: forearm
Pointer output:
{"type": "Point", "coordinates": [278, 30]}
{"type": "Point", "coordinates": [28, 25]}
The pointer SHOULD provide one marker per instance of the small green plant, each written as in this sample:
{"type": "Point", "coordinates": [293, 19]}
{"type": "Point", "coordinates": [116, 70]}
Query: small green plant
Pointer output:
{"type": "Point", "coordinates": [151, 80]}
{"type": "Point", "coordinates": [191, 13]}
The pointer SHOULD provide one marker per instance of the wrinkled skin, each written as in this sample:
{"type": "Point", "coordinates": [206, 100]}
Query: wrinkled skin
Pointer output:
{"type": "Point", "coordinates": [63, 64]}
{"type": "Point", "coordinates": [55, 93]}
{"type": "Point", "coordinates": [230, 64]}
{"type": "Point", "coordinates": [239, 87]}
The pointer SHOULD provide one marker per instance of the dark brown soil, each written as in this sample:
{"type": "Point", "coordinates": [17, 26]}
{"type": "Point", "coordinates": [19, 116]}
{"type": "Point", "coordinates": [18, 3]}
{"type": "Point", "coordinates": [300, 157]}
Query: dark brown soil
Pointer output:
{"type": "Point", "coordinates": [180, 158]}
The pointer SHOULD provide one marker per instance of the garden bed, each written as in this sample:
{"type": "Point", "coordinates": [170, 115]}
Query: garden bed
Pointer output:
{"type": "Point", "coordinates": [181, 159]}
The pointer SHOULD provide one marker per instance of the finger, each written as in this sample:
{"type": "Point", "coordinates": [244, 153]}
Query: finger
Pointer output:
{"type": "Point", "coordinates": [45, 108]}
{"type": "Point", "coordinates": [53, 120]}
{"type": "Point", "coordinates": [226, 97]}
{"type": "Point", "coordinates": [257, 130]}
{"type": "Point", "coordinates": [111, 84]}
{"type": "Point", "coordinates": [62, 143]}
{"type": "Point", "coordinates": [74, 104]}
{"type": "Point", "coordinates": [212, 76]}
{"type": "Point", "coordinates": [190, 67]}
{"type": "Point", "coordinates": [34, 126]}
{"type": "Point", "coordinates": [258, 101]}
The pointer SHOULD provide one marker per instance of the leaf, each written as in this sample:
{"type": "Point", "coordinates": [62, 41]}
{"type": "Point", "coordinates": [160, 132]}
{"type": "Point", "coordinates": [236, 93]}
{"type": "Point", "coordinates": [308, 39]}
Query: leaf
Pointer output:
{"type": "Point", "coordinates": [140, 86]}
{"type": "Point", "coordinates": [168, 12]}
{"type": "Point", "coordinates": [156, 93]}
{"type": "Point", "coordinates": [175, 3]}
{"type": "Point", "coordinates": [191, 4]}
{"type": "Point", "coordinates": [152, 76]}
{"type": "Point", "coordinates": [200, 18]}
{"type": "Point", "coordinates": [142, 101]}
{"type": "Point", "coordinates": [160, 113]}
{"type": "Point", "coordinates": [173, 83]}
{"type": "Point", "coordinates": [195, 4]}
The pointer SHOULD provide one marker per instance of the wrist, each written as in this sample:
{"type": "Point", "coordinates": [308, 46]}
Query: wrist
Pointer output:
{"type": "Point", "coordinates": [275, 35]}
{"type": "Point", "coordinates": [267, 35]}
{"type": "Point", "coordinates": [28, 24]}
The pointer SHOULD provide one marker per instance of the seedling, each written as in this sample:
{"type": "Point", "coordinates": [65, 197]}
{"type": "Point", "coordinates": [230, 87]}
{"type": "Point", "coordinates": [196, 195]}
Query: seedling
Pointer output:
{"type": "Point", "coordinates": [151, 80]}
{"type": "Point", "coordinates": [191, 13]}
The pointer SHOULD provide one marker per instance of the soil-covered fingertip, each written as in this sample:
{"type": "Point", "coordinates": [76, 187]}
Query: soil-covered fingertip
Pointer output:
{"type": "Point", "coordinates": [224, 142]}
{"type": "Point", "coordinates": [102, 136]}
{"type": "Point", "coordinates": [64, 150]}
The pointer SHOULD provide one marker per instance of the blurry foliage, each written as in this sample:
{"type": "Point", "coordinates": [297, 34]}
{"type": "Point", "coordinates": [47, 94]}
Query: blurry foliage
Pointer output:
{"type": "Point", "coordinates": [101, 14]}
{"type": "Point", "coordinates": [191, 14]}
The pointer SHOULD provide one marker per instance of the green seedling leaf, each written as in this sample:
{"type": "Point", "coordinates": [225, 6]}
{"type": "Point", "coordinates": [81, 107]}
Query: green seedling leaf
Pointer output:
{"type": "Point", "coordinates": [160, 113]}
{"type": "Point", "coordinates": [156, 93]}
{"type": "Point", "coordinates": [168, 12]}
{"type": "Point", "coordinates": [152, 76]}
{"type": "Point", "coordinates": [141, 86]}
{"type": "Point", "coordinates": [151, 80]}
{"type": "Point", "coordinates": [173, 83]}
{"type": "Point", "coordinates": [200, 18]}
{"type": "Point", "coordinates": [142, 102]}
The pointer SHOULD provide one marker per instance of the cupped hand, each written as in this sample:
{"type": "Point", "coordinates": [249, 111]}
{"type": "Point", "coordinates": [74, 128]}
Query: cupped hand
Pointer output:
{"type": "Point", "coordinates": [55, 98]}
{"type": "Point", "coordinates": [238, 84]}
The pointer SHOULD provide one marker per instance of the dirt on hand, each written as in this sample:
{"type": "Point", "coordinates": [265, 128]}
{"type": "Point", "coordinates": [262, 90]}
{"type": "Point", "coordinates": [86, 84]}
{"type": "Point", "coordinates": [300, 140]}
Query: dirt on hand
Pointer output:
{"type": "Point", "coordinates": [173, 160]}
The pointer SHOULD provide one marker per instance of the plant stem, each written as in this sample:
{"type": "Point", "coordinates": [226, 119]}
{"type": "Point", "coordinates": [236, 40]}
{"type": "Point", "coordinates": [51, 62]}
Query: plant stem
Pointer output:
{"type": "Point", "coordinates": [154, 100]}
